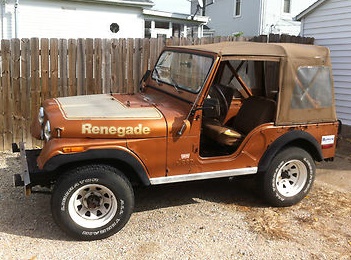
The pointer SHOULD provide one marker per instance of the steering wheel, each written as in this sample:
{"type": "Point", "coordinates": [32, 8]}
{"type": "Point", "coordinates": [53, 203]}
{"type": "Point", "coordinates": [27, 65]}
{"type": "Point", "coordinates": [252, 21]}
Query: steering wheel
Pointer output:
{"type": "Point", "coordinates": [217, 93]}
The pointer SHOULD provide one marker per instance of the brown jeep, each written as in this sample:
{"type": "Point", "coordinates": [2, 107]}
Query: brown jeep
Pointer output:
{"type": "Point", "coordinates": [203, 112]}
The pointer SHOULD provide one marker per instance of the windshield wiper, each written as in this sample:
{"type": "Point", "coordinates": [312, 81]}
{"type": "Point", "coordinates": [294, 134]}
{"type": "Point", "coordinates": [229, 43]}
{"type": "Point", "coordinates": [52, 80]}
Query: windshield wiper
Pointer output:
{"type": "Point", "coordinates": [175, 85]}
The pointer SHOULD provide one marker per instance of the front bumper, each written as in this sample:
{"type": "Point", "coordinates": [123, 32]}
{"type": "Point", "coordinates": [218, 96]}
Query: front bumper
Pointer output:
{"type": "Point", "coordinates": [28, 167]}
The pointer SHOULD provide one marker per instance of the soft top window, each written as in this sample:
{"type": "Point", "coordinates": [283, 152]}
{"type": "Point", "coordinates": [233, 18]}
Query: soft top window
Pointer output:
{"type": "Point", "coordinates": [313, 88]}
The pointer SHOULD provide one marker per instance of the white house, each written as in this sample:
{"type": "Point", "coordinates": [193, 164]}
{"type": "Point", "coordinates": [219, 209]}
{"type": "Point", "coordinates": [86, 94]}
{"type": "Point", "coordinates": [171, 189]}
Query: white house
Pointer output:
{"type": "Point", "coordinates": [73, 19]}
{"type": "Point", "coordinates": [253, 17]}
{"type": "Point", "coordinates": [92, 19]}
{"type": "Point", "coordinates": [167, 24]}
{"type": "Point", "coordinates": [329, 22]}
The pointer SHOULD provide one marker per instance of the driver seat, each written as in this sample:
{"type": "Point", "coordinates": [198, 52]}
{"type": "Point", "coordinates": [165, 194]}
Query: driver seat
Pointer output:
{"type": "Point", "coordinates": [255, 110]}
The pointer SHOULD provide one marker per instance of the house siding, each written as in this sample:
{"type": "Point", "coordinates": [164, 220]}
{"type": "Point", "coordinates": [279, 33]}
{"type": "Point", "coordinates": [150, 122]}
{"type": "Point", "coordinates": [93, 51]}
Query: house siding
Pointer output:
{"type": "Point", "coordinates": [330, 25]}
{"type": "Point", "coordinates": [257, 17]}
{"type": "Point", "coordinates": [68, 19]}
{"type": "Point", "coordinates": [223, 21]}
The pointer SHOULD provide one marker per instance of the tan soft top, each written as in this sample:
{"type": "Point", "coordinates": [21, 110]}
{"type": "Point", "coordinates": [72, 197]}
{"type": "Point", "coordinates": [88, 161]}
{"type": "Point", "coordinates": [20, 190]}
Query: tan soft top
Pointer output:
{"type": "Point", "coordinates": [292, 56]}
{"type": "Point", "coordinates": [292, 50]}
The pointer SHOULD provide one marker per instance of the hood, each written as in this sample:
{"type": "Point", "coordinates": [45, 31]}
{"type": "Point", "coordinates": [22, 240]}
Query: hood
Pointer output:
{"type": "Point", "coordinates": [105, 107]}
{"type": "Point", "coordinates": [104, 116]}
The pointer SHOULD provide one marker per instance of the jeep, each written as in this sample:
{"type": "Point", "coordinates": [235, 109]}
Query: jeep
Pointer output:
{"type": "Point", "coordinates": [207, 111]}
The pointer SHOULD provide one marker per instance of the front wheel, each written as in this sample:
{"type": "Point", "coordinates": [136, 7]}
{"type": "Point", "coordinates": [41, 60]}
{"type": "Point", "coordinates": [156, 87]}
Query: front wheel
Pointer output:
{"type": "Point", "coordinates": [289, 177]}
{"type": "Point", "coordinates": [92, 202]}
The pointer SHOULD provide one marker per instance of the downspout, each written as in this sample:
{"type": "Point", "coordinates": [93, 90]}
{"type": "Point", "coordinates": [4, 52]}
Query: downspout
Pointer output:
{"type": "Point", "coordinates": [16, 18]}
{"type": "Point", "coordinates": [262, 16]}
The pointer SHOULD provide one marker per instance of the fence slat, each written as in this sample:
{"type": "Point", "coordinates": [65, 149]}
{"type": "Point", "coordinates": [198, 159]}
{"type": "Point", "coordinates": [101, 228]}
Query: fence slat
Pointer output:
{"type": "Point", "coordinates": [145, 55]}
{"type": "Point", "coordinates": [137, 74]}
{"type": "Point", "coordinates": [7, 91]}
{"type": "Point", "coordinates": [26, 101]}
{"type": "Point", "coordinates": [114, 65]}
{"type": "Point", "coordinates": [18, 119]}
{"type": "Point", "coordinates": [121, 68]}
{"type": "Point", "coordinates": [106, 65]}
{"type": "Point", "coordinates": [81, 67]}
{"type": "Point", "coordinates": [44, 71]}
{"type": "Point", "coordinates": [130, 50]}
{"type": "Point", "coordinates": [72, 59]}
{"type": "Point", "coordinates": [153, 52]}
{"type": "Point", "coordinates": [54, 69]}
{"type": "Point", "coordinates": [35, 81]}
{"type": "Point", "coordinates": [63, 85]}
{"type": "Point", "coordinates": [98, 65]}
{"type": "Point", "coordinates": [89, 65]}
{"type": "Point", "coordinates": [2, 102]}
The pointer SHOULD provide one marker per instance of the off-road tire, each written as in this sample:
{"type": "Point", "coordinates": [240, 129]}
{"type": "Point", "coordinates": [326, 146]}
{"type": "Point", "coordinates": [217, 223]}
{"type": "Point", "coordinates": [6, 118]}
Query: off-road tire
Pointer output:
{"type": "Point", "coordinates": [289, 177]}
{"type": "Point", "coordinates": [92, 202]}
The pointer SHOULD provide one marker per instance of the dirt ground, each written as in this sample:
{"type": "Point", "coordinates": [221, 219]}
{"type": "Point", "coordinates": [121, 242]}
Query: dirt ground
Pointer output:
{"type": "Point", "coordinates": [216, 219]}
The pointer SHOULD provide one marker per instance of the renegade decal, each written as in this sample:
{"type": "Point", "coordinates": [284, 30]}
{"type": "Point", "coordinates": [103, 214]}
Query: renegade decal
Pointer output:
{"type": "Point", "coordinates": [112, 130]}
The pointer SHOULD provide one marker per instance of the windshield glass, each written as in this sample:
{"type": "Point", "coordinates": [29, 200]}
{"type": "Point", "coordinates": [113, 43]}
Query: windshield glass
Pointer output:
{"type": "Point", "coordinates": [184, 71]}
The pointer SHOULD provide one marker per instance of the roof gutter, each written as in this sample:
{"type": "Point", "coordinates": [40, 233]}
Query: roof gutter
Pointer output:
{"type": "Point", "coordinates": [176, 16]}
{"type": "Point", "coordinates": [308, 10]}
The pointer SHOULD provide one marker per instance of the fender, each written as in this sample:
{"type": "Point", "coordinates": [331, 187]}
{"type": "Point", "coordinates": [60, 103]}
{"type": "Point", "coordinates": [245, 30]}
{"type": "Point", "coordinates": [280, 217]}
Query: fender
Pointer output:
{"type": "Point", "coordinates": [295, 137]}
{"type": "Point", "coordinates": [103, 154]}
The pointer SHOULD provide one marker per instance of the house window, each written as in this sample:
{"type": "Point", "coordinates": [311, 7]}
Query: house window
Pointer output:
{"type": "Point", "coordinates": [287, 6]}
{"type": "Point", "coordinates": [237, 8]}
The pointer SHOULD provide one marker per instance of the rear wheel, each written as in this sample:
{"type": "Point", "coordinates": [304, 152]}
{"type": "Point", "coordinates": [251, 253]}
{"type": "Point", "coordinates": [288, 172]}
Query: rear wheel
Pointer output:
{"type": "Point", "coordinates": [289, 177]}
{"type": "Point", "coordinates": [92, 202]}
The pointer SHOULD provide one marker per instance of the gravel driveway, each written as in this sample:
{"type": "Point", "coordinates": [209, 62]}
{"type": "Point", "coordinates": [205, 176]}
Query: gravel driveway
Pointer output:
{"type": "Point", "coordinates": [217, 219]}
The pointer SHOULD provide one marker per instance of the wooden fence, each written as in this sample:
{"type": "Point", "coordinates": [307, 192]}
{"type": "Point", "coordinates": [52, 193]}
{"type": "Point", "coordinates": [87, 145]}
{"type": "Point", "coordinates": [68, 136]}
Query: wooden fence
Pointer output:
{"type": "Point", "coordinates": [35, 69]}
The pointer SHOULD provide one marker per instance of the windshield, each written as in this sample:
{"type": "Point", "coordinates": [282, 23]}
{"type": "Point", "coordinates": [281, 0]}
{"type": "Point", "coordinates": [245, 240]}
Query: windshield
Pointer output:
{"type": "Point", "coordinates": [184, 71]}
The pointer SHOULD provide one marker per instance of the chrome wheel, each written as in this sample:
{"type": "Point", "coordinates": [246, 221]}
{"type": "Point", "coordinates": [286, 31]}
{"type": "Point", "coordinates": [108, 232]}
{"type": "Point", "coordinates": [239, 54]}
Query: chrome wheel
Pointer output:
{"type": "Point", "coordinates": [291, 178]}
{"type": "Point", "coordinates": [92, 206]}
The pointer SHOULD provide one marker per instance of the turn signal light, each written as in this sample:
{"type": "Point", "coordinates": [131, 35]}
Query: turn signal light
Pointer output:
{"type": "Point", "coordinates": [74, 149]}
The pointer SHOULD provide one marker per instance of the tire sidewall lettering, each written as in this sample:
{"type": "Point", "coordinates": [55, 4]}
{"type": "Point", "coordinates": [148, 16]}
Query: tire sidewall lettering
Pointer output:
{"type": "Point", "coordinates": [102, 231]}
{"type": "Point", "coordinates": [310, 177]}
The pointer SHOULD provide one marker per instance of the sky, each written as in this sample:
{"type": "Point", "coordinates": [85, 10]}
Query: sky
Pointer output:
{"type": "Point", "coordinates": [175, 6]}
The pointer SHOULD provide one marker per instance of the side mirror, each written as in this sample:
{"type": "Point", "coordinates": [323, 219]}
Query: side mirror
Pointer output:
{"type": "Point", "coordinates": [143, 79]}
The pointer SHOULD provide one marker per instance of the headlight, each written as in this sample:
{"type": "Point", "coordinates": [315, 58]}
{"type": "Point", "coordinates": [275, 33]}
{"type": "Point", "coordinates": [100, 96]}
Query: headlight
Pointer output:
{"type": "Point", "coordinates": [47, 131]}
{"type": "Point", "coordinates": [41, 115]}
